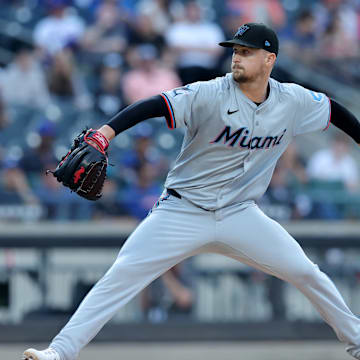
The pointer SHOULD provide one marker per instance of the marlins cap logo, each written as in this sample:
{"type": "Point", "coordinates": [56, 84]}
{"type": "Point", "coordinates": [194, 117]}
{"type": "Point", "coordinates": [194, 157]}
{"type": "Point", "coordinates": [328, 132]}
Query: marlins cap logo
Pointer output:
{"type": "Point", "coordinates": [267, 43]}
{"type": "Point", "coordinates": [242, 30]}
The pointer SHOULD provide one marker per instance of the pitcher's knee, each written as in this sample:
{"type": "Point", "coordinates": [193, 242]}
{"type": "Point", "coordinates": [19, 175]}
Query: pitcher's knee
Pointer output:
{"type": "Point", "coordinates": [307, 274]}
{"type": "Point", "coordinates": [123, 269]}
{"type": "Point", "coordinates": [130, 271]}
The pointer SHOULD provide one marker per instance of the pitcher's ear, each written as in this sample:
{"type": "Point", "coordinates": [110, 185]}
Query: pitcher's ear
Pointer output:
{"type": "Point", "coordinates": [270, 58]}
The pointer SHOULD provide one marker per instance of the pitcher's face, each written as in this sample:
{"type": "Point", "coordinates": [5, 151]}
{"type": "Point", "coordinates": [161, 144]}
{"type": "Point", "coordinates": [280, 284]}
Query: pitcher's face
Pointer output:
{"type": "Point", "coordinates": [248, 64]}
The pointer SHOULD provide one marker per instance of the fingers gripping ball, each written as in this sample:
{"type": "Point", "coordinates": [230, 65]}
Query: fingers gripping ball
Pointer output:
{"type": "Point", "coordinates": [83, 168]}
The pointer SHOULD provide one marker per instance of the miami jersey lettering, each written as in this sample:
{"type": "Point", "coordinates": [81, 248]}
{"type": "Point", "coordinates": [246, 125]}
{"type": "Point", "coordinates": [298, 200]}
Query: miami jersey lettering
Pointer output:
{"type": "Point", "coordinates": [238, 141]}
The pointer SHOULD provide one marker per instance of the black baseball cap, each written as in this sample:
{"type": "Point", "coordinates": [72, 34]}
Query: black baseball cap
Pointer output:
{"type": "Point", "coordinates": [255, 35]}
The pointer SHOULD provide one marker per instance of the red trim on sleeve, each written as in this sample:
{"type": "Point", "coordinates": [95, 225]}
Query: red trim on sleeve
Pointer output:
{"type": "Point", "coordinates": [171, 113]}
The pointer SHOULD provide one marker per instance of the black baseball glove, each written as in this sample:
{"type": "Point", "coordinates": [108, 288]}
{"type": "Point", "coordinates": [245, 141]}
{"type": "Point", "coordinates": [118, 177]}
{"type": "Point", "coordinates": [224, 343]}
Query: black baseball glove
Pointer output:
{"type": "Point", "coordinates": [83, 168]}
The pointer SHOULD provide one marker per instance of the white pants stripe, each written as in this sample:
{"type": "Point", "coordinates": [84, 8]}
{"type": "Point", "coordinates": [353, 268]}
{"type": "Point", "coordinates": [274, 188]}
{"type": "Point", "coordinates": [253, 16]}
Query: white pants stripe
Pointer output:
{"type": "Point", "coordinates": [176, 230]}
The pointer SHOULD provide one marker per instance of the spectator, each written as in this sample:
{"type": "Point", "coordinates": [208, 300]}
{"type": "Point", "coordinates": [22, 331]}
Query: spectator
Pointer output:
{"type": "Point", "coordinates": [336, 43]}
{"type": "Point", "coordinates": [195, 44]}
{"type": "Point", "coordinates": [275, 291]}
{"type": "Point", "coordinates": [286, 197]}
{"type": "Point", "coordinates": [333, 173]}
{"type": "Point", "coordinates": [35, 159]}
{"type": "Point", "coordinates": [148, 76]}
{"type": "Point", "coordinates": [109, 98]}
{"type": "Point", "coordinates": [144, 152]}
{"type": "Point", "coordinates": [139, 197]}
{"type": "Point", "coordinates": [14, 187]}
{"type": "Point", "coordinates": [335, 164]}
{"type": "Point", "coordinates": [90, 7]}
{"type": "Point", "coordinates": [23, 81]}
{"type": "Point", "coordinates": [158, 11]}
{"type": "Point", "coordinates": [60, 29]}
{"type": "Point", "coordinates": [339, 53]}
{"type": "Point", "coordinates": [169, 297]}
{"type": "Point", "coordinates": [66, 81]}
{"type": "Point", "coordinates": [299, 40]}
{"type": "Point", "coordinates": [346, 11]}
{"type": "Point", "coordinates": [109, 206]}
{"type": "Point", "coordinates": [60, 75]}
{"type": "Point", "coordinates": [143, 31]}
{"type": "Point", "coordinates": [294, 166]}
{"type": "Point", "coordinates": [337, 25]}
{"type": "Point", "coordinates": [279, 201]}
{"type": "Point", "coordinates": [108, 34]}
{"type": "Point", "coordinates": [270, 12]}
{"type": "Point", "coordinates": [178, 283]}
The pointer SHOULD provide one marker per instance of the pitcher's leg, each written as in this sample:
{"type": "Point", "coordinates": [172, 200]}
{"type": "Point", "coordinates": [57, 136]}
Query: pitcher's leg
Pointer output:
{"type": "Point", "coordinates": [263, 243]}
{"type": "Point", "coordinates": [162, 240]}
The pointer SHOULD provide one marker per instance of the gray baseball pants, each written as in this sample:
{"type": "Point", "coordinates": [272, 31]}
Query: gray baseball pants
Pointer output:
{"type": "Point", "coordinates": [176, 230]}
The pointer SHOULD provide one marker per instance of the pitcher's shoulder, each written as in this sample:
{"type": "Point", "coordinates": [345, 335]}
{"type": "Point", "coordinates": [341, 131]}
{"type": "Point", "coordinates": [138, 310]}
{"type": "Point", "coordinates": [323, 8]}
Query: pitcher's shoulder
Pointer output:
{"type": "Point", "coordinates": [221, 83]}
{"type": "Point", "coordinates": [214, 87]}
{"type": "Point", "coordinates": [288, 91]}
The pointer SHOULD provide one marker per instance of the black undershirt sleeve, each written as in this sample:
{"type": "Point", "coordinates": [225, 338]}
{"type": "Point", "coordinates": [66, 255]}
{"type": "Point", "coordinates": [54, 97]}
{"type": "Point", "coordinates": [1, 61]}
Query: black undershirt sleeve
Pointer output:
{"type": "Point", "coordinates": [139, 111]}
{"type": "Point", "coordinates": [345, 120]}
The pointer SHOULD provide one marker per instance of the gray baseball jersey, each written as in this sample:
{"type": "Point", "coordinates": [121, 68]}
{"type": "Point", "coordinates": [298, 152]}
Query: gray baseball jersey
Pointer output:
{"type": "Point", "coordinates": [230, 150]}
{"type": "Point", "coordinates": [231, 145]}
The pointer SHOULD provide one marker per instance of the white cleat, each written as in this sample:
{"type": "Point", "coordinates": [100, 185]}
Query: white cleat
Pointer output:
{"type": "Point", "coordinates": [47, 354]}
{"type": "Point", "coordinates": [353, 351]}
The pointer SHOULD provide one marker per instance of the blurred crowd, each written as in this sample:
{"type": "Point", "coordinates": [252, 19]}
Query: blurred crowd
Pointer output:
{"type": "Point", "coordinates": [67, 64]}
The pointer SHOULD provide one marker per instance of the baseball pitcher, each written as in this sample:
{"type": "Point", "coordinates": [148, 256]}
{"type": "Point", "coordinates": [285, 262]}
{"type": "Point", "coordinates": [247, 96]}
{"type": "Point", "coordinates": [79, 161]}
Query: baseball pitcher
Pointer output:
{"type": "Point", "coordinates": [236, 128]}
